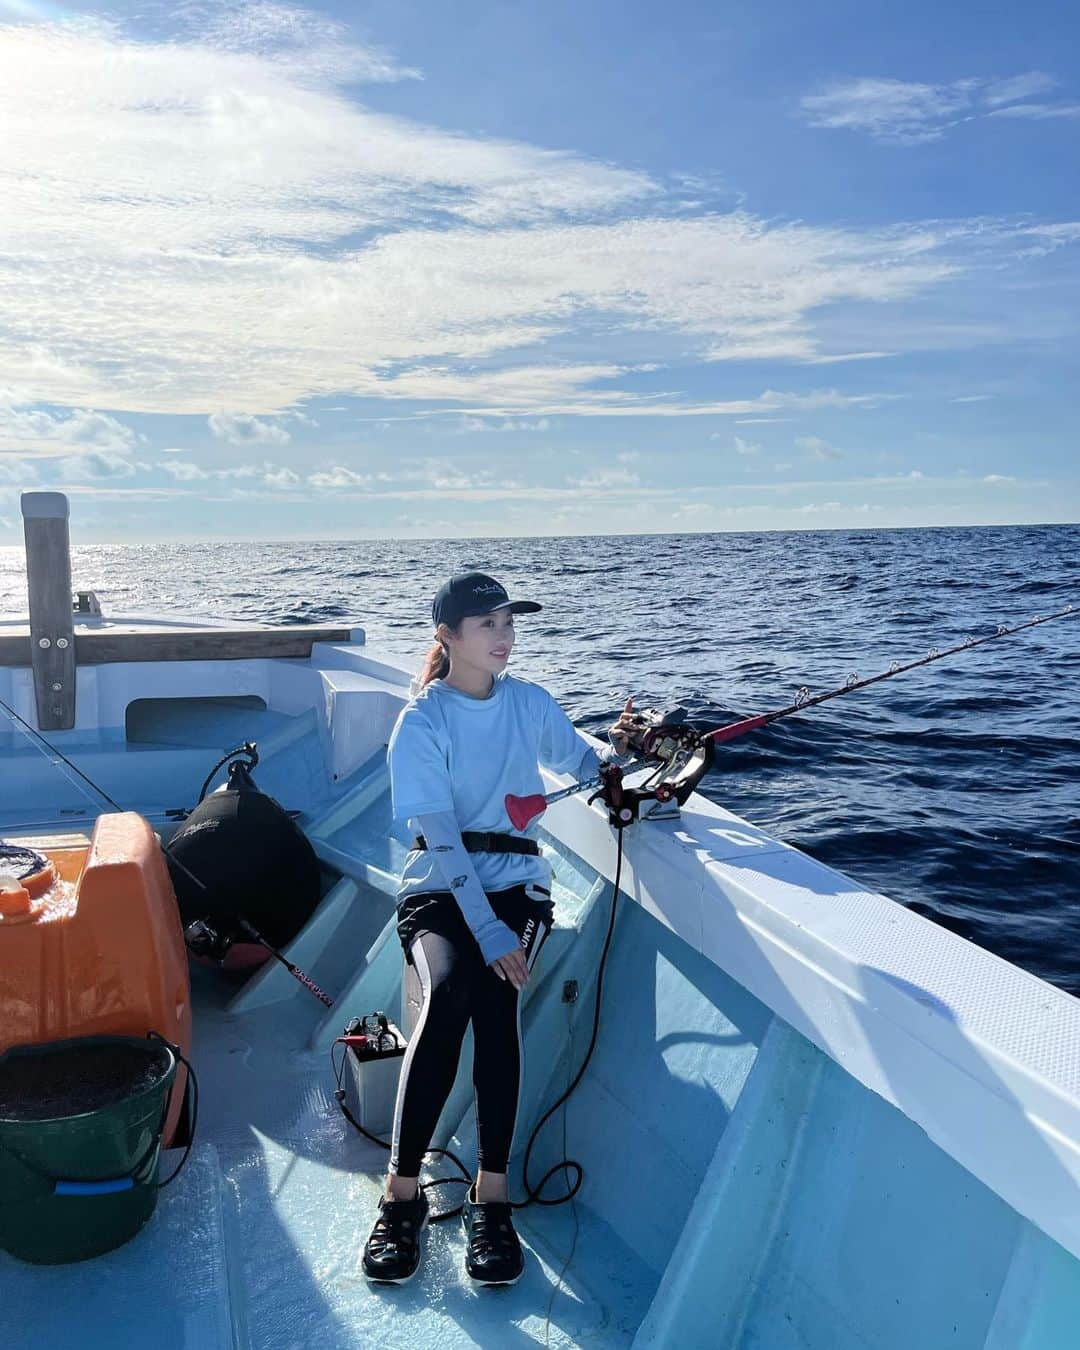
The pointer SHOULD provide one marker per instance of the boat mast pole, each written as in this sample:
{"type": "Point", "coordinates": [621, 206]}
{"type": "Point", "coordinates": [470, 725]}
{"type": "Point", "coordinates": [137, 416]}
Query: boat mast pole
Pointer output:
{"type": "Point", "coordinates": [48, 585]}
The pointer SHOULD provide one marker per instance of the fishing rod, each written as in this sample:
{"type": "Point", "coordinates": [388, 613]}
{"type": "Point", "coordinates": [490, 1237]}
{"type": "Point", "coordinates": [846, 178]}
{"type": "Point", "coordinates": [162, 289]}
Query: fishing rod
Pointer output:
{"type": "Point", "coordinates": [57, 758]}
{"type": "Point", "coordinates": [803, 698]}
{"type": "Point", "coordinates": [203, 939]}
{"type": "Point", "coordinates": [683, 755]}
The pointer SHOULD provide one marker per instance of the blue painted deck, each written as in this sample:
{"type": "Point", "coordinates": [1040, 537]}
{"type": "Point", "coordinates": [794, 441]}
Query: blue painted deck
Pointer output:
{"type": "Point", "coordinates": [741, 1190]}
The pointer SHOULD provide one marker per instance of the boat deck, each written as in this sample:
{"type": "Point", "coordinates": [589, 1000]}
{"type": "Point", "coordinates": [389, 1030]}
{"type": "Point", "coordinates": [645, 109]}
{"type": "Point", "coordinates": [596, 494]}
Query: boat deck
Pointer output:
{"type": "Point", "coordinates": [258, 1241]}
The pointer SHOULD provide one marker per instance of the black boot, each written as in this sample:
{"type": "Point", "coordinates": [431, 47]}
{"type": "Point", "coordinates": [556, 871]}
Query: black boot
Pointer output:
{"type": "Point", "coordinates": [392, 1252]}
{"type": "Point", "coordinates": [493, 1254]}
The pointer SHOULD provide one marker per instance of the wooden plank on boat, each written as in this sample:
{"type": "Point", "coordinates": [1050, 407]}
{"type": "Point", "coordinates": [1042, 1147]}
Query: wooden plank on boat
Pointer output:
{"type": "Point", "coordinates": [48, 583]}
{"type": "Point", "coordinates": [108, 646]}
{"type": "Point", "coordinates": [50, 843]}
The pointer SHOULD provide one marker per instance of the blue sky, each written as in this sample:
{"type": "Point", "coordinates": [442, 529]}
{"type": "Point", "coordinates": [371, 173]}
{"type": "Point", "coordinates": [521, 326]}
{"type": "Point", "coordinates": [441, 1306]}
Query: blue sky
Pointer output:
{"type": "Point", "coordinates": [417, 269]}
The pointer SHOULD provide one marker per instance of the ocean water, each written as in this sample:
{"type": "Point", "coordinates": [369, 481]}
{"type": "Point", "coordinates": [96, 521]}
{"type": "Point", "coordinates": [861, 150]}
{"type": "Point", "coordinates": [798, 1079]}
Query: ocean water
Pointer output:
{"type": "Point", "coordinates": [954, 789]}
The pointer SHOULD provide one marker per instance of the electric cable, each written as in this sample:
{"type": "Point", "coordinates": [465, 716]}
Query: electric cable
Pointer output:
{"type": "Point", "coordinates": [533, 1195]}
{"type": "Point", "coordinates": [466, 1178]}
{"type": "Point", "coordinates": [247, 749]}
{"type": "Point", "coordinates": [573, 1210]}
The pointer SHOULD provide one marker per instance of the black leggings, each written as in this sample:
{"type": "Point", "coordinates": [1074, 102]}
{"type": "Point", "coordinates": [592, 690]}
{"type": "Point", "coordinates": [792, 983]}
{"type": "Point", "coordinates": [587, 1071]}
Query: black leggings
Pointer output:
{"type": "Point", "coordinates": [459, 987]}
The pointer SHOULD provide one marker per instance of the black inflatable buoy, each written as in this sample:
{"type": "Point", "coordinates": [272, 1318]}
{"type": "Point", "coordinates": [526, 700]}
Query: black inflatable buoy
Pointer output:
{"type": "Point", "coordinates": [253, 862]}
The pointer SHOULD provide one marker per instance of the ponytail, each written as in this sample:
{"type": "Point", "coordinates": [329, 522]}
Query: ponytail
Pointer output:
{"type": "Point", "coordinates": [436, 664]}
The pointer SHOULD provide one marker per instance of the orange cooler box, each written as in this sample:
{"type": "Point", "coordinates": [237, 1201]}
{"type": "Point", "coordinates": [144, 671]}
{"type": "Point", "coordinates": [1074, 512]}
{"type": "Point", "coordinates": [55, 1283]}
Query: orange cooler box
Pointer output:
{"type": "Point", "coordinates": [92, 945]}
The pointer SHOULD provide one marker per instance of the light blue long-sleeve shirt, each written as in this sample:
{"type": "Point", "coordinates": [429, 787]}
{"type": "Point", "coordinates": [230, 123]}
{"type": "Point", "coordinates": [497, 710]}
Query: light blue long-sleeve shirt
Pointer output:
{"type": "Point", "coordinates": [452, 752]}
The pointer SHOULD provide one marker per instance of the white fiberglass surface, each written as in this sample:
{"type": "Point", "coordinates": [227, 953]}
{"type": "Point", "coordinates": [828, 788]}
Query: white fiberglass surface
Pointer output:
{"type": "Point", "coordinates": [157, 773]}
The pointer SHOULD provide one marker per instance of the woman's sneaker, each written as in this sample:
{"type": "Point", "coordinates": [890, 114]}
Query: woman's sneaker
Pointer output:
{"type": "Point", "coordinates": [392, 1252]}
{"type": "Point", "coordinates": [492, 1254]}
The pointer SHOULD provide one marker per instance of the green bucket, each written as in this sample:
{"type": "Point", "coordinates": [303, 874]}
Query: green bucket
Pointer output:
{"type": "Point", "coordinates": [80, 1139]}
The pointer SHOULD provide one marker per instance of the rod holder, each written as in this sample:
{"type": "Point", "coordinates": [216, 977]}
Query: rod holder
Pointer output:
{"type": "Point", "coordinates": [48, 585]}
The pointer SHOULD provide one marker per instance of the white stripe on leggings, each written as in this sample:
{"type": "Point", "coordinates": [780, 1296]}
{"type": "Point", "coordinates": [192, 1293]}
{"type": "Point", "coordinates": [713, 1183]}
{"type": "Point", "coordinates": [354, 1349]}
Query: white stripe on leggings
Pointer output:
{"type": "Point", "coordinates": [424, 971]}
{"type": "Point", "coordinates": [544, 930]}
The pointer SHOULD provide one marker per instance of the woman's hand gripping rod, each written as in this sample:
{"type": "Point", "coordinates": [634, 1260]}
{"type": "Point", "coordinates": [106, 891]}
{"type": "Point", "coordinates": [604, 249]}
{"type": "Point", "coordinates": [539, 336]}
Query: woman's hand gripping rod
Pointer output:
{"type": "Point", "coordinates": [682, 755]}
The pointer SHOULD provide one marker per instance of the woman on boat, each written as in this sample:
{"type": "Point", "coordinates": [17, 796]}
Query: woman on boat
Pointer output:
{"type": "Point", "coordinates": [474, 907]}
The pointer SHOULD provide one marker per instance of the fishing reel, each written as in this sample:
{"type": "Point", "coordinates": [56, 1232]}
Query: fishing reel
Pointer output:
{"type": "Point", "coordinates": [662, 736]}
{"type": "Point", "coordinates": [218, 938]}
{"type": "Point", "coordinates": [683, 756]}
{"type": "Point", "coordinates": [204, 941]}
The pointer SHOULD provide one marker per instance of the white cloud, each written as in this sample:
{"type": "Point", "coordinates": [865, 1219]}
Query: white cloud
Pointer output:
{"type": "Point", "coordinates": [817, 448]}
{"type": "Point", "coordinates": [272, 475]}
{"type": "Point", "coordinates": [1038, 112]}
{"type": "Point", "coordinates": [309, 44]}
{"type": "Point", "coordinates": [822, 359]}
{"type": "Point", "coordinates": [435, 474]}
{"type": "Point", "coordinates": [606, 478]}
{"type": "Point", "coordinates": [220, 225]}
{"type": "Point", "coordinates": [243, 429]}
{"type": "Point", "coordinates": [459, 480]}
{"type": "Point", "coordinates": [469, 424]}
{"type": "Point", "coordinates": [172, 203]}
{"type": "Point", "coordinates": [96, 464]}
{"type": "Point", "coordinates": [744, 447]}
{"type": "Point", "coordinates": [998, 478]}
{"type": "Point", "coordinates": [19, 472]}
{"type": "Point", "coordinates": [121, 494]}
{"type": "Point", "coordinates": [540, 424]}
{"type": "Point", "coordinates": [905, 112]}
{"type": "Point", "coordinates": [627, 406]}
{"type": "Point", "coordinates": [527, 388]}
{"type": "Point", "coordinates": [327, 480]}
{"type": "Point", "coordinates": [1049, 238]}
{"type": "Point", "coordinates": [892, 110]}
{"type": "Point", "coordinates": [37, 431]}
{"type": "Point", "coordinates": [85, 426]}
{"type": "Point", "coordinates": [281, 478]}
{"type": "Point", "coordinates": [195, 132]}
{"type": "Point", "coordinates": [184, 471]}
{"type": "Point", "coordinates": [996, 92]}
{"type": "Point", "coordinates": [418, 313]}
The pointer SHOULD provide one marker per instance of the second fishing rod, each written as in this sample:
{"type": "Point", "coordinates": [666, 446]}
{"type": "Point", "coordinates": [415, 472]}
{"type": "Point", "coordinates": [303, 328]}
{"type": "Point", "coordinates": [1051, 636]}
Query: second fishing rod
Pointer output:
{"type": "Point", "coordinates": [681, 754]}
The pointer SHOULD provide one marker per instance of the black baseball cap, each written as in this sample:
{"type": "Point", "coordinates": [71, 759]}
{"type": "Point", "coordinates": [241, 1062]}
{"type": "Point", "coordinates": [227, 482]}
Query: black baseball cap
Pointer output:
{"type": "Point", "coordinates": [467, 594]}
